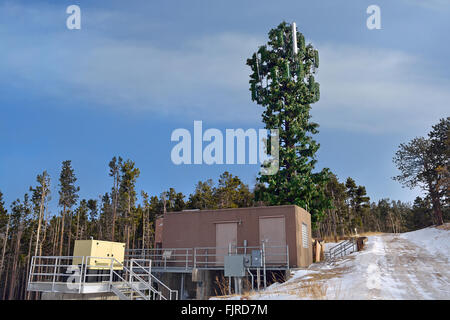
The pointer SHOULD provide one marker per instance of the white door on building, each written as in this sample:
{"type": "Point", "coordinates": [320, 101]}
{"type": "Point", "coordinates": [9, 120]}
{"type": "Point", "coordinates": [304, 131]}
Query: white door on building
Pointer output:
{"type": "Point", "coordinates": [226, 233]}
{"type": "Point", "coordinates": [273, 232]}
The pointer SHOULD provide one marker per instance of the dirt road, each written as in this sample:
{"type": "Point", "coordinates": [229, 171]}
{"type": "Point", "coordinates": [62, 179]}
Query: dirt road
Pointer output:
{"type": "Point", "coordinates": [390, 267]}
{"type": "Point", "coordinates": [399, 269]}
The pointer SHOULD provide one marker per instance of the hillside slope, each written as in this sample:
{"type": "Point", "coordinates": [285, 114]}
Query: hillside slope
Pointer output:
{"type": "Point", "coordinates": [412, 265]}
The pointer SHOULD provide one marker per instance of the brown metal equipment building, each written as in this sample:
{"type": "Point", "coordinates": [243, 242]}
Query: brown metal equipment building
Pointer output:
{"type": "Point", "coordinates": [191, 246]}
{"type": "Point", "coordinates": [278, 226]}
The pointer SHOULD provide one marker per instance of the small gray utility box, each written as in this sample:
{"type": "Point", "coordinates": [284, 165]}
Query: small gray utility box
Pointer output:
{"type": "Point", "coordinates": [257, 259]}
{"type": "Point", "coordinates": [234, 265]}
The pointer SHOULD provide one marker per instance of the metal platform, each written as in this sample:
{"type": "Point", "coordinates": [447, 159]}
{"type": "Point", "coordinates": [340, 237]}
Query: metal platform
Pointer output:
{"type": "Point", "coordinates": [130, 280]}
{"type": "Point", "coordinates": [137, 276]}
{"type": "Point", "coordinates": [62, 287]}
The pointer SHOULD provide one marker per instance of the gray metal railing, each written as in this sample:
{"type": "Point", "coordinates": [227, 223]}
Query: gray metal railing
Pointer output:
{"type": "Point", "coordinates": [146, 273]}
{"type": "Point", "coordinates": [341, 249]}
{"type": "Point", "coordinates": [72, 274]}
{"type": "Point", "coordinates": [207, 257]}
{"type": "Point", "coordinates": [164, 257]}
{"type": "Point", "coordinates": [55, 269]}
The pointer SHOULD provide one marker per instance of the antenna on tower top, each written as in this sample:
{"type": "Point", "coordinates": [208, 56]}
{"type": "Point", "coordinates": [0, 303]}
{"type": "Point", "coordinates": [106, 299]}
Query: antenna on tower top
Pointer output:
{"type": "Point", "coordinates": [294, 38]}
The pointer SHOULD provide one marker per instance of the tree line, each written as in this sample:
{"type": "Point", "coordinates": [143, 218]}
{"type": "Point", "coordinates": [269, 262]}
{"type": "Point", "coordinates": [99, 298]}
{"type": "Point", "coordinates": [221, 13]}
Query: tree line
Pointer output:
{"type": "Point", "coordinates": [29, 228]}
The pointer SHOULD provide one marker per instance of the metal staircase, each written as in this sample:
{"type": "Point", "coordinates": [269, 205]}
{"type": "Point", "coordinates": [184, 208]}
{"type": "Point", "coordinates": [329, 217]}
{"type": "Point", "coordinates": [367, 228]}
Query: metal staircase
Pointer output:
{"type": "Point", "coordinates": [341, 249]}
{"type": "Point", "coordinates": [137, 284]}
{"type": "Point", "coordinates": [127, 292]}
{"type": "Point", "coordinates": [133, 288]}
{"type": "Point", "coordinates": [140, 272]}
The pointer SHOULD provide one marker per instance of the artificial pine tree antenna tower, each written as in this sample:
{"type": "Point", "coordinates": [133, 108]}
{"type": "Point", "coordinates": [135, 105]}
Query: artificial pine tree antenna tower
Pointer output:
{"type": "Point", "coordinates": [282, 82]}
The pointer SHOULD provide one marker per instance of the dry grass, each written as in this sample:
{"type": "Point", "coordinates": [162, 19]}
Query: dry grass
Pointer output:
{"type": "Point", "coordinates": [319, 290]}
{"type": "Point", "coordinates": [346, 237]}
{"type": "Point", "coordinates": [313, 289]}
{"type": "Point", "coordinates": [222, 284]}
{"type": "Point", "coordinates": [330, 239]}
{"type": "Point", "coordinates": [247, 295]}
{"type": "Point", "coordinates": [370, 233]}
{"type": "Point", "coordinates": [306, 289]}
{"type": "Point", "coordinates": [445, 226]}
{"type": "Point", "coordinates": [223, 288]}
{"type": "Point", "coordinates": [320, 285]}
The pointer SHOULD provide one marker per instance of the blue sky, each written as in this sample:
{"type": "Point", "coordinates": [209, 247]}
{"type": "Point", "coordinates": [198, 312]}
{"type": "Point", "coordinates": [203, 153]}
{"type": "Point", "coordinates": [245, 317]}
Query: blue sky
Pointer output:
{"type": "Point", "coordinates": [138, 70]}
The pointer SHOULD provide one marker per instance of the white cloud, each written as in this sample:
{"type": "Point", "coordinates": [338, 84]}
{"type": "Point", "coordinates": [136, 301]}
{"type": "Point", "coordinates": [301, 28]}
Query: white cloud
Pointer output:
{"type": "Point", "coordinates": [362, 89]}
{"type": "Point", "coordinates": [206, 77]}
{"type": "Point", "coordinates": [142, 76]}
{"type": "Point", "coordinates": [378, 90]}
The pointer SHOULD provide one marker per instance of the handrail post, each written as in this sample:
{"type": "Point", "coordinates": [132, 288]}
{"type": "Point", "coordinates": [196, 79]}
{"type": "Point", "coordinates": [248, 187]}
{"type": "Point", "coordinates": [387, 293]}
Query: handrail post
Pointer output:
{"type": "Point", "coordinates": [131, 270]}
{"type": "Point", "coordinates": [150, 272]}
{"type": "Point", "coordinates": [85, 268]}
{"type": "Point", "coordinates": [187, 255]}
{"type": "Point", "coordinates": [31, 271]}
{"type": "Point", "coordinates": [264, 263]}
{"type": "Point", "coordinates": [54, 274]}
{"type": "Point", "coordinates": [81, 274]}
{"type": "Point", "coordinates": [287, 256]}
{"type": "Point", "coordinates": [195, 258]}
{"type": "Point", "coordinates": [131, 279]}
{"type": "Point", "coordinates": [111, 273]}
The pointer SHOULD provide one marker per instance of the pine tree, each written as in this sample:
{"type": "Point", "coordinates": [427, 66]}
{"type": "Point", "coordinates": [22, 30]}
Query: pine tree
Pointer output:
{"type": "Point", "coordinates": [104, 222]}
{"type": "Point", "coordinates": [283, 83]}
{"type": "Point", "coordinates": [439, 138]}
{"type": "Point", "coordinates": [425, 163]}
{"type": "Point", "coordinates": [3, 213]}
{"type": "Point", "coordinates": [146, 221]}
{"type": "Point", "coordinates": [421, 215]}
{"type": "Point", "coordinates": [231, 192]}
{"type": "Point", "coordinates": [336, 192]}
{"type": "Point", "coordinates": [93, 216]}
{"type": "Point", "coordinates": [81, 213]}
{"type": "Point", "coordinates": [129, 175]}
{"type": "Point", "coordinates": [5, 220]}
{"type": "Point", "coordinates": [40, 197]}
{"type": "Point", "coordinates": [20, 213]}
{"type": "Point", "coordinates": [67, 197]}
{"type": "Point", "coordinates": [203, 196]}
{"type": "Point", "coordinates": [172, 200]}
{"type": "Point", "coordinates": [362, 204]}
{"type": "Point", "coordinates": [114, 171]}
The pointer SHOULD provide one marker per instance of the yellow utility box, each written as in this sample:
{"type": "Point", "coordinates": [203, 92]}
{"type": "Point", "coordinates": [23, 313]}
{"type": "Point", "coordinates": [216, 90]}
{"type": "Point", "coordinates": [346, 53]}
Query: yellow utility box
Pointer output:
{"type": "Point", "coordinates": [99, 253]}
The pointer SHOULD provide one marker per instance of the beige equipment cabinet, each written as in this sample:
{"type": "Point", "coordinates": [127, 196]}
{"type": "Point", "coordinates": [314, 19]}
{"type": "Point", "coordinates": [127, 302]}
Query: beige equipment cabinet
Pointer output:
{"type": "Point", "coordinates": [97, 249]}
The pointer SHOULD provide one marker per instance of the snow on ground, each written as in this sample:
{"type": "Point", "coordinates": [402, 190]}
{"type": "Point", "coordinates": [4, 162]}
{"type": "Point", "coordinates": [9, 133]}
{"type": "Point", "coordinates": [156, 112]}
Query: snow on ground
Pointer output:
{"type": "Point", "coordinates": [412, 265]}
{"type": "Point", "coordinates": [435, 240]}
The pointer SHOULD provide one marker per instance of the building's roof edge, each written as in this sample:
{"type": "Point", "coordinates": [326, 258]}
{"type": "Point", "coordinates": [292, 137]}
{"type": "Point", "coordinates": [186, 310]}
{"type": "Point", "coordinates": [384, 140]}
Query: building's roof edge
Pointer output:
{"type": "Point", "coordinates": [230, 209]}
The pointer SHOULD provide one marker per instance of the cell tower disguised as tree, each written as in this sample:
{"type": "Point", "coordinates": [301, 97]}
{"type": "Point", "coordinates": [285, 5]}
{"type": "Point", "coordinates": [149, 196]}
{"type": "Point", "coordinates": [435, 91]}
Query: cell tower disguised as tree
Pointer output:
{"type": "Point", "coordinates": [283, 83]}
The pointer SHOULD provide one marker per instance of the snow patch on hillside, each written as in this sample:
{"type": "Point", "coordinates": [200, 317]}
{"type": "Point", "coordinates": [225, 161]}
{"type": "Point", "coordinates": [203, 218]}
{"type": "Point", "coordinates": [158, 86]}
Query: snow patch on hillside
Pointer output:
{"type": "Point", "coordinates": [434, 240]}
